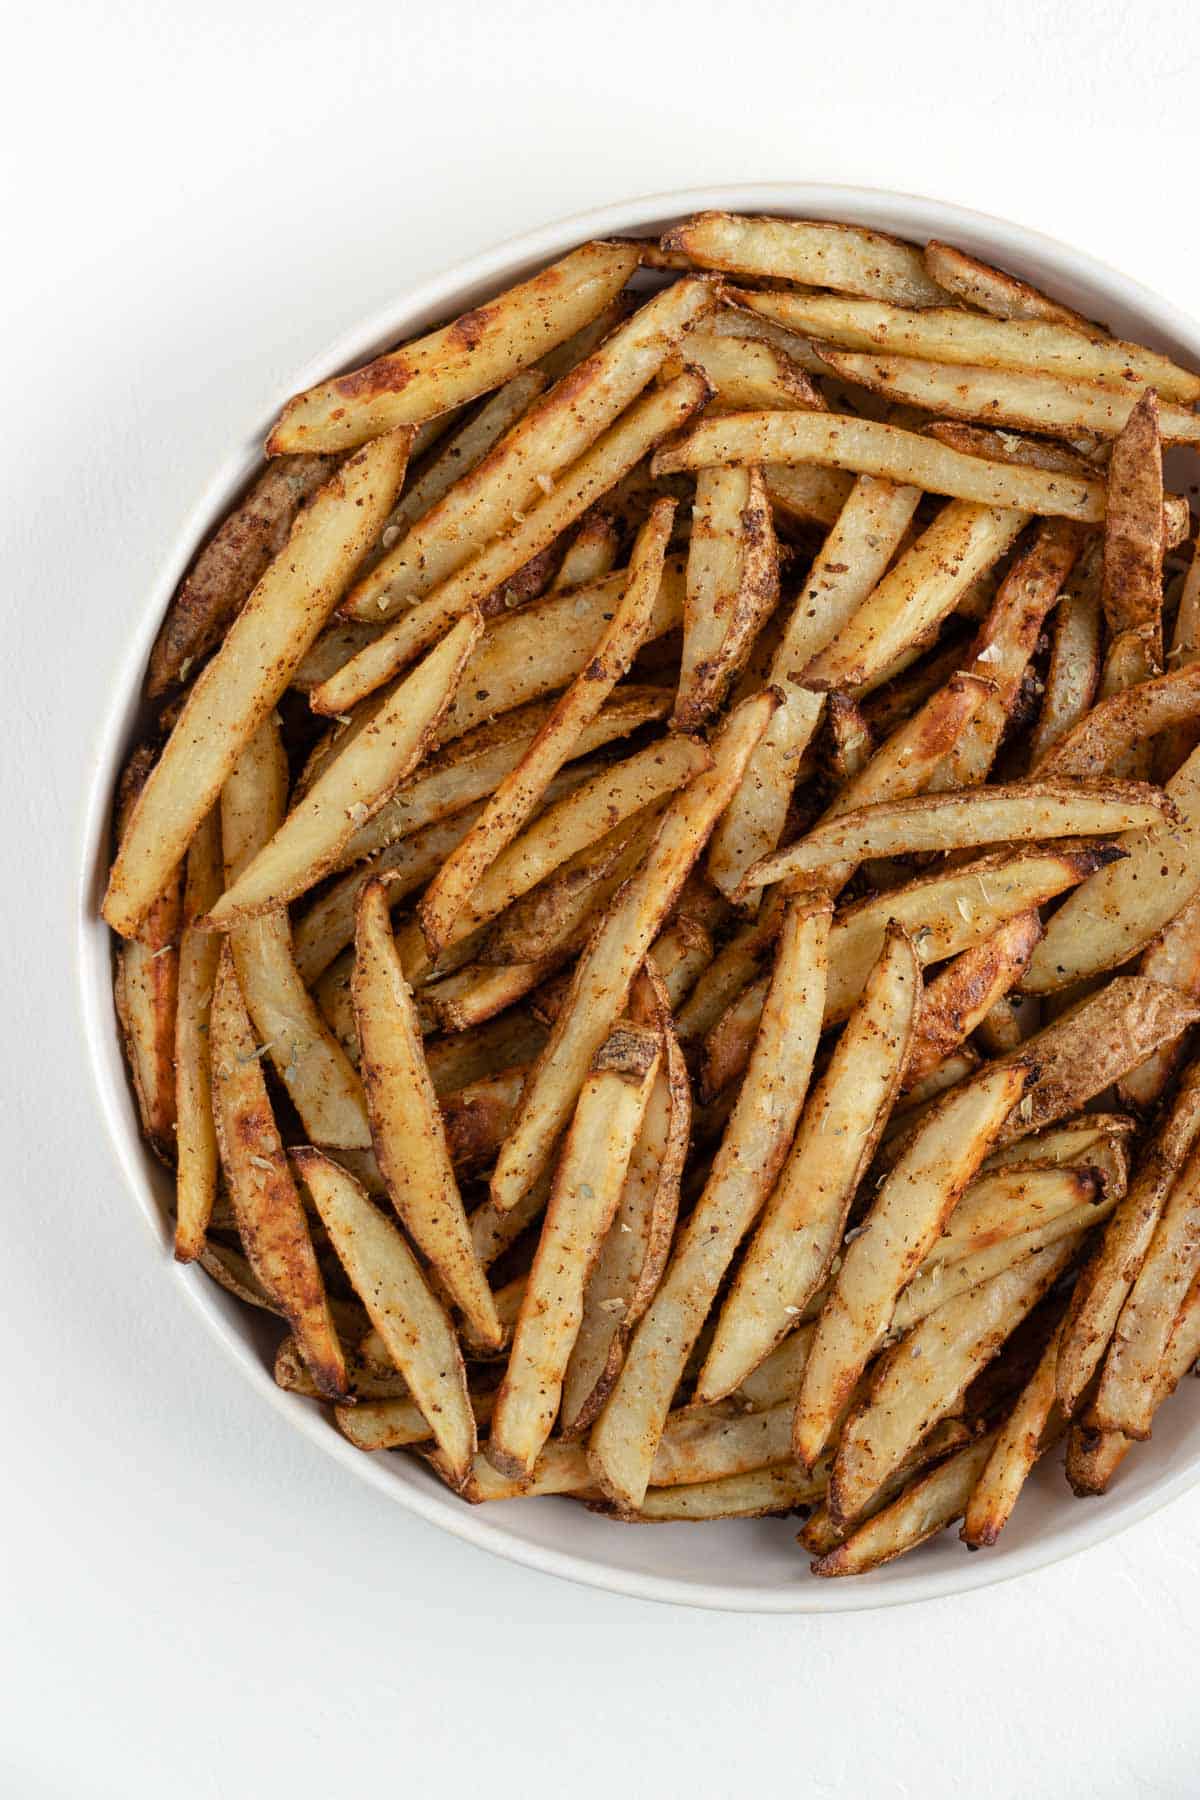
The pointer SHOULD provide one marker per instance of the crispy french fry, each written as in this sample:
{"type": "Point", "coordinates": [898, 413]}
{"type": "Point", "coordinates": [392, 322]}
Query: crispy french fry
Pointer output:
{"type": "Point", "coordinates": [561, 1469]}
{"type": "Point", "coordinates": [1008, 1202]}
{"type": "Point", "coordinates": [476, 994]}
{"type": "Point", "coordinates": [846, 257]}
{"type": "Point", "coordinates": [195, 1134]}
{"type": "Point", "coordinates": [1080, 1140]}
{"type": "Point", "coordinates": [242, 683]}
{"type": "Point", "coordinates": [1173, 957]}
{"type": "Point", "coordinates": [1029, 1429]}
{"type": "Point", "coordinates": [270, 1218]}
{"type": "Point", "coordinates": [732, 586]}
{"type": "Point", "coordinates": [1096, 743]}
{"type": "Point", "coordinates": [1133, 526]}
{"type": "Point", "coordinates": [583, 1203]}
{"type": "Point", "coordinates": [1010, 446]}
{"type": "Point", "coordinates": [699, 1444]}
{"type": "Point", "coordinates": [865, 447]}
{"type": "Point", "coordinates": [928, 1506]}
{"type": "Point", "coordinates": [996, 292]}
{"type": "Point", "coordinates": [820, 1535]}
{"type": "Point", "coordinates": [748, 1496]}
{"type": "Point", "coordinates": [625, 1436]}
{"type": "Point", "coordinates": [898, 1233]}
{"type": "Point", "coordinates": [951, 1346]}
{"type": "Point", "coordinates": [612, 455]}
{"type": "Point", "coordinates": [1073, 673]}
{"type": "Point", "coordinates": [356, 783]}
{"type": "Point", "coordinates": [1119, 910]}
{"type": "Point", "coordinates": [851, 742]}
{"type": "Point", "coordinates": [1031, 402]}
{"type": "Point", "coordinates": [965, 994]}
{"type": "Point", "coordinates": [146, 986]}
{"type": "Point", "coordinates": [396, 1424]}
{"type": "Point", "coordinates": [461, 361]}
{"type": "Point", "coordinates": [800, 1229]}
{"type": "Point", "coordinates": [409, 1318]}
{"type": "Point", "coordinates": [450, 893]}
{"type": "Point", "coordinates": [1104, 1284]}
{"type": "Point", "coordinates": [950, 335]}
{"type": "Point", "coordinates": [591, 554]}
{"type": "Point", "coordinates": [605, 971]}
{"type": "Point", "coordinates": [745, 372]}
{"type": "Point", "coordinates": [806, 494]}
{"type": "Point", "coordinates": [406, 1125]}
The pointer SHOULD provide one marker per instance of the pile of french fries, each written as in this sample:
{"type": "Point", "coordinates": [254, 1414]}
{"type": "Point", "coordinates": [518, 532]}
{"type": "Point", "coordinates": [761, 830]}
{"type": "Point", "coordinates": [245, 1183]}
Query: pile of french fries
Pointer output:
{"type": "Point", "coordinates": [658, 906]}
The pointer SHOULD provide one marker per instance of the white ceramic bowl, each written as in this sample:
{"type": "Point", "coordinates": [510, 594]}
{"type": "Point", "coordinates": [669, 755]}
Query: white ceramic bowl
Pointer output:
{"type": "Point", "coordinates": [752, 1565]}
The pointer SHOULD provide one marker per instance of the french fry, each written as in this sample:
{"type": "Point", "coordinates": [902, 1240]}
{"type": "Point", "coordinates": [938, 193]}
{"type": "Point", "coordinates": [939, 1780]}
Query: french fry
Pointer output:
{"type": "Point", "coordinates": [850, 563]}
{"type": "Point", "coordinates": [523, 467]}
{"type": "Point", "coordinates": [477, 993]}
{"type": "Point", "coordinates": [728, 1045]}
{"type": "Point", "coordinates": [965, 994]}
{"type": "Point", "coordinates": [634, 1253]}
{"type": "Point", "coordinates": [605, 972]}
{"type": "Point", "coordinates": [612, 455]}
{"type": "Point", "coordinates": [1010, 446]}
{"type": "Point", "coordinates": [950, 335]}
{"type": "Point", "coordinates": [591, 554]}
{"type": "Point", "coordinates": [1097, 742]}
{"type": "Point", "coordinates": [732, 586]}
{"type": "Point", "coordinates": [449, 895]}
{"type": "Point", "coordinates": [1080, 1140]}
{"type": "Point", "coordinates": [996, 292]}
{"type": "Point", "coordinates": [952, 1345]}
{"type": "Point", "coordinates": [971, 818]}
{"type": "Point", "coordinates": [409, 1318]}
{"type": "Point", "coordinates": [820, 1535]}
{"type": "Point", "coordinates": [745, 372]}
{"type": "Point", "coordinates": [928, 1506]}
{"type": "Point", "coordinates": [241, 685]}
{"type": "Point", "coordinates": [806, 494]}
{"type": "Point", "coordinates": [561, 1469]}
{"type": "Point", "coordinates": [1105, 1282]}
{"type": "Point", "coordinates": [1008, 397]}
{"type": "Point", "coordinates": [1027, 1432]}
{"type": "Point", "coordinates": [1119, 910]}
{"type": "Point", "coordinates": [851, 742]}
{"type": "Point", "coordinates": [729, 321]}
{"type": "Point", "coordinates": [1093, 1455]}
{"type": "Point", "coordinates": [477, 352]}
{"type": "Point", "coordinates": [583, 1202]}
{"type": "Point", "coordinates": [396, 1424]}
{"type": "Point", "coordinates": [355, 784]}
{"type": "Point", "coordinates": [229, 567]}
{"type": "Point", "coordinates": [406, 1125]}
{"type": "Point", "coordinates": [749, 1496]}
{"type": "Point", "coordinates": [865, 447]}
{"type": "Point", "coordinates": [146, 986]}
{"type": "Point", "coordinates": [699, 1444]}
{"type": "Point", "coordinates": [801, 1226]}
{"type": "Point", "coordinates": [1131, 590]}
{"type": "Point", "coordinates": [624, 1438]}
{"type": "Point", "coordinates": [1008, 1202]}
{"type": "Point", "coordinates": [195, 1134]}
{"type": "Point", "coordinates": [366, 1381]}
{"type": "Point", "coordinates": [270, 1218]}
{"type": "Point", "coordinates": [845, 257]}
{"type": "Point", "coordinates": [898, 1232]}
{"type": "Point", "coordinates": [1073, 672]}
{"type": "Point", "coordinates": [1174, 958]}
{"type": "Point", "coordinates": [680, 955]}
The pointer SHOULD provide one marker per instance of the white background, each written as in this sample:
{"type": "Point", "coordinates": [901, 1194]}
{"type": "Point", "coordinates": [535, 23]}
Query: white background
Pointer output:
{"type": "Point", "coordinates": [197, 198]}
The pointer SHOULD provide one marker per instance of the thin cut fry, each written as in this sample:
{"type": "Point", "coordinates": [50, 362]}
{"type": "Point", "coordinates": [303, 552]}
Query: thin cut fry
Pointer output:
{"type": "Point", "coordinates": [847, 257]}
{"type": "Point", "coordinates": [146, 987]}
{"type": "Point", "coordinates": [1173, 957]}
{"type": "Point", "coordinates": [732, 586]}
{"type": "Point", "coordinates": [1102, 735]}
{"type": "Point", "coordinates": [995, 291]}
{"type": "Point", "coordinates": [965, 994]}
{"type": "Point", "coordinates": [927, 1507]}
{"type": "Point", "coordinates": [1093, 1456]}
{"type": "Point", "coordinates": [1073, 672]}
{"type": "Point", "coordinates": [748, 1496]}
{"type": "Point", "coordinates": [745, 372]}
{"type": "Point", "coordinates": [195, 1134]}
{"type": "Point", "coordinates": [592, 553]}
{"type": "Point", "coordinates": [1025, 1434]}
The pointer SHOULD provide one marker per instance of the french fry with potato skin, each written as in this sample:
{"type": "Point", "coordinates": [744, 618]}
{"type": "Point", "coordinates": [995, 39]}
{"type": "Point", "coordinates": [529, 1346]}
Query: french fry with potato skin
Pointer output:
{"type": "Point", "coordinates": [605, 971]}
{"type": "Point", "coordinates": [409, 1318]}
{"type": "Point", "coordinates": [270, 1218]}
{"type": "Point", "coordinates": [456, 364]}
{"type": "Point", "coordinates": [450, 892]}
{"type": "Point", "coordinates": [820, 1535]}
{"type": "Point", "coordinates": [898, 1232]}
{"type": "Point", "coordinates": [744, 372]}
{"type": "Point", "coordinates": [239, 688]}
{"type": "Point", "coordinates": [196, 1153]}
{"type": "Point", "coordinates": [866, 447]}
{"type": "Point", "coordinates": [146, 986]}
{"type": "Point", "coordinates": [1073, 672]}
{"type": "Point", "coordinates": [1174, 958]}
{"type": "Point", "coordinates": [995, 291]}
{"type": "Point", "coordinates": [407, 1128]}
{"type": "Point", "coordinates": [752, 1495]}
{"type": "Point", "coordinates": [846, 257]}
{"type": "Point", "coordinates": [732, 587]}
{"type": "Point", "coordinates": [963, 996]}
{"type": "Point", "coordinates": [801, 1226]}
{"type": "Point", "coordinates": [1010, 446]}
{"type": "Point", "coordinates": [592, 553]}
{"type": "Point", "coordinates": [624, 1439]}
{"type": "Point", "coordinates": [1008, 1202]}
{"type": "Point", "coordinates": [354, 785]}
{"type": "Point", "coordinates": [583, 1203]}
{"type": "Point", "coordinates": [928, 1506]}
{"type": "Point", "coordinates": [1096, 743]}
{"type": "Point", "coordinates": [396, 1424]}
{"type": "Point", "coordinates": [1030, 1428]}
{"type": "Point", "coordinates": [699, 1444]}
{"type": "Point", "coordinates": [1133, 532]}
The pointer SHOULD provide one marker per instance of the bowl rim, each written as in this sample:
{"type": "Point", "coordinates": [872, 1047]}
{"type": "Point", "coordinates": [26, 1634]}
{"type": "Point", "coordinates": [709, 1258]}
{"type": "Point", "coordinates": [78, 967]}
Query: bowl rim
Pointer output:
{"type": "Point", "coordinates": [412, 307]}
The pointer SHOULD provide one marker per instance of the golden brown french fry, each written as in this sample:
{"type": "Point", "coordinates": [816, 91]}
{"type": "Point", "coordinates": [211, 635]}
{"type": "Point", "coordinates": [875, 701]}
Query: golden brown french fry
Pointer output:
{"type": "Point", "coordinates": [591, 554]}
{"type": "Point", "coordinates": [606, 970]}
{"type": "Point", "coordinates": [1104, 1284]}
{"type": "Point", "coordinates": [229, 566]}
{"type": "Point", "coordinates": [241, 685]}
{"type": "Point", "coordinates": [1073, 672]}
{"type": "Point", "coordinates": [969, 818]}
{"type": "Point", "coordinates": [625, 1436]}
{"type": "Point", "coordinates": [355, 784]}
{"type": "Point", "coordinates": [1008, 1202]}
{"type": "Point", "coordinates": [866, 447]}
{"type": "Point", "coordinates": [1029, 1429]}
{"type": "Point", "coordinates": [409, 1318]}
{"type": "Point", "coordinates": [928, 1506]}
{"type": "Point", "coordinates": [846, 257]}
{"type": "Point", "coordinates": [732, 586]}
{"type": "Point", "coordinates": [612, 455]}
{"type": "Point", "coordinates": [748, 1496]}
{"type": "Point", "coordinates": [951, 335]}
{"type": "Point", "coordinates": [561, 1469]}
{"type": "Point", "coordinates": [476, 994]}
{"type": "Point", "coordinates": [406, 1125]}
{"type": "Point", "coordinates": [941, 1282]}
{"type": "Point", "coordinates": [394, 1424]}
{"type": "Point", "coordinates": [1096, 743]}
{"type": "Point", "coordinates": [633, 1256]}
{"type": "Point", "coordinates": [1119, 910]}
{"type": "Point", "coordinates": [900, 1229]}
{"type": "Point", "coordinates": [800, 1228]}
{"type": "Point", "coordinates": [270, 1218]}
{"type": "Point", "coordinates": [851, 742]}
{"type": "Point", "coordinates": [1080, 1140]}
{"type": "Point", "coordinates": [450, 893]}
{"type": "Point", "coordinates": [195, 1134]}
{"type": "Point", "coordinates": [950, 1347]}
{"type": "Point", "coordinates": [1010, 446]}
{"type": "Point", "coordinates": [1031, 402]}
{"type": "Point", "coordinates": [1173, 957]}
{"type": "Point", "coordinates": [820, 1535]}
{"type": "Point", "coordinates": [806, 494]}
{"type": "Point", "coordinates": [1133, 527]}
{"type": "Point", "coordinates": [964, 995]}
{"type": "Point", "coordinates": [708, 1444]}
{"type": "Point", "coordinates": [523, 468]}
{"type": "Point", "coordinates": [996, 292]}
{"type": "Point", "coordinates": [583, 1203]}
{"type": "Point", "coordinates": [477, 352]}
{"type": "Point", "coordinates": [146, 986]}
{"type": "Point", "coordinates": [744, 372]}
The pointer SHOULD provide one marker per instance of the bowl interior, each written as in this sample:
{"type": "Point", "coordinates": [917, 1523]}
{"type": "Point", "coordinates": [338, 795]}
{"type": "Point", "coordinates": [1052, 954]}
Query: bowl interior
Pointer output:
{"type": "Point", "coordinates": [752, 1565]}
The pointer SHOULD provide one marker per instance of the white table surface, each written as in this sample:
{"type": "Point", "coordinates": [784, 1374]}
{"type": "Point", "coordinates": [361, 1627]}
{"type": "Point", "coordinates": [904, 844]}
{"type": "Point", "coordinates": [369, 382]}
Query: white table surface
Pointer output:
{"type": "Point", "coordinates": [196, 1601]}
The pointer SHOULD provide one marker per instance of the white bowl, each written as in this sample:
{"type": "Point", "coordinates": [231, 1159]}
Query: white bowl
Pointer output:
{"type": "Point", "coordinates": [752, 1565]}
